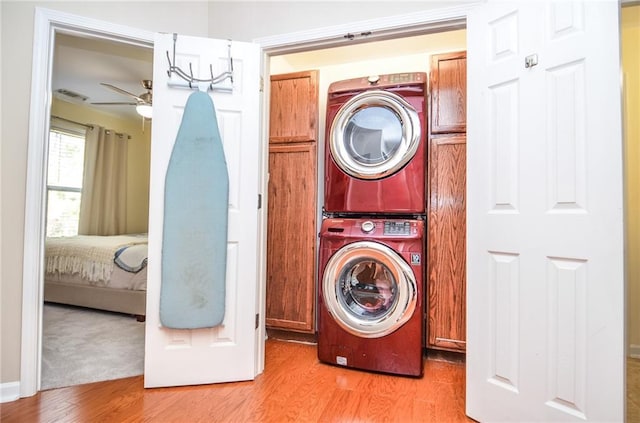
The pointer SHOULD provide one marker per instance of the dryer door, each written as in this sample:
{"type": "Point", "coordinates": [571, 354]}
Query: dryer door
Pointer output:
{"type": "Point", "coordinates": [369, 289]}
{"type": "Point", "coordinates": [374, 135]}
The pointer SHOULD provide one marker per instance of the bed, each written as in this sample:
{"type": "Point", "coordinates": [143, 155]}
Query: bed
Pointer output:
{"type": "Point", "coordinates": [100, 272]}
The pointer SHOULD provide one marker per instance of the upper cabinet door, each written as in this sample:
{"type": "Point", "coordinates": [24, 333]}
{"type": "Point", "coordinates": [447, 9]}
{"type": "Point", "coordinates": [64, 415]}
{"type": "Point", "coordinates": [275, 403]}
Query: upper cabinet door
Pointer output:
{"type": "Point", "coordinates": [449, 93]}
{"type": "Point", "coordinates": [293, 118]}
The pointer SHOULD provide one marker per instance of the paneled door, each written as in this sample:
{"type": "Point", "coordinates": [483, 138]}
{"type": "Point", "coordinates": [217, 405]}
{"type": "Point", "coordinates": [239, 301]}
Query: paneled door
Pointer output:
{"type": "Point", "coordinates": [545, 235]}
{"type": "Point", "coordinates": [227, 352]}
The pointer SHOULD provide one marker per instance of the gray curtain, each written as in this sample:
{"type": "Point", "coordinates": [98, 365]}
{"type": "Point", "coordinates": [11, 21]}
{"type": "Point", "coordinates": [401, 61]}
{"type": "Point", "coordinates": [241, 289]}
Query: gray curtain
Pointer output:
{"type": "Point", "coordinates": [103, 207]}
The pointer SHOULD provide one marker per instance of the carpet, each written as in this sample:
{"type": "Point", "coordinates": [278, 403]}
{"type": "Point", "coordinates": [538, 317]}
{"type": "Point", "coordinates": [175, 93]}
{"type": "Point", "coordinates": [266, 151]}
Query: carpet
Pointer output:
{"type": "Point", "coordinates": [83, 346]}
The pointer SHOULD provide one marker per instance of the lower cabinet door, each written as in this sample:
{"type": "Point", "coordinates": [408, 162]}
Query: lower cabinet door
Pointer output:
{"type": "Point", "coordinates": [291, 237]}
{"type": "Point", "coordinates": [446, 327]}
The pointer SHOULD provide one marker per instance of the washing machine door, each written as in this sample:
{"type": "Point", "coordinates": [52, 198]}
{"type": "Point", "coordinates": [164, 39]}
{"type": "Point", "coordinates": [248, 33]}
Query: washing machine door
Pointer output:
{"type": "Point", "coordinates": [369, 289]}
{"type": "Point", "coordinates": [374, 135]}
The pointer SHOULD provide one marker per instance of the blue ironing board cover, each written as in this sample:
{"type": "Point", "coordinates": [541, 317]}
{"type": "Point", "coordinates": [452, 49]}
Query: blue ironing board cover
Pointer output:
{"type": "Point", "coordinates": [194, 245]}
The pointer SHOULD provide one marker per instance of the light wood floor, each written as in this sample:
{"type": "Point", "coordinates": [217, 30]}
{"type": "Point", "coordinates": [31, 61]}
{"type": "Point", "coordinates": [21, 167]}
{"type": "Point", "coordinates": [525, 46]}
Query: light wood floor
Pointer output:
{"type": "Point", "coordinates": [294, 387]}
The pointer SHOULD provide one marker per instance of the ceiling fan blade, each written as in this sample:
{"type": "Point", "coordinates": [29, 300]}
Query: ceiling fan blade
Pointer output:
{"type": "Point", "coordinates": [121, 91]}
{"type": "Point", "coordinates": [115, 103]}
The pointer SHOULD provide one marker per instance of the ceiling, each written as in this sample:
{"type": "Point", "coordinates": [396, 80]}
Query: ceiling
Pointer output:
{"type": "Point", "coordinates": [80, 64]}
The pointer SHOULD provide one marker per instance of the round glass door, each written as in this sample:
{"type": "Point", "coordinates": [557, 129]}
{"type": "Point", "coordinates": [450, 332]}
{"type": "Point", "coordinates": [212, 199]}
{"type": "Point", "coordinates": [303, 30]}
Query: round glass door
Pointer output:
{"type": "Point", "coordinates": [374, 135]}
{"type": "Point", "coordinates": [369, 289]}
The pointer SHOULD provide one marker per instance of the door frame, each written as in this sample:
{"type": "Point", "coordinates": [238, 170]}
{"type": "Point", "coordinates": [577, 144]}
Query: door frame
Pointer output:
{"type": "Point", "coordinates": [49, 22]}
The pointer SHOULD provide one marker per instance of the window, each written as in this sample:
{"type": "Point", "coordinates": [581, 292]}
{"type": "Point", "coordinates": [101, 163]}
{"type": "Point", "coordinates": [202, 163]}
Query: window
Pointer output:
{"type": "Point", "coordinates": [64, 182]}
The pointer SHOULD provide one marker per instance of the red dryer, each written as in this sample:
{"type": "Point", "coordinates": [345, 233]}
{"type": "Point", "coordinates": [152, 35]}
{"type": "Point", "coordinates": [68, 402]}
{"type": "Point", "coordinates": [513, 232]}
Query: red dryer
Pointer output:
{"type": "Point", "coordinates": [370, 299]}
{"type": "Point", "coordinates": [375, 145]}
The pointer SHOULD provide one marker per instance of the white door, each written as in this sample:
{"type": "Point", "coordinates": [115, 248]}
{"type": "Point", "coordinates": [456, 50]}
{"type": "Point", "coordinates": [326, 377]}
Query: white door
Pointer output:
{"type": "Point", "coordinates": [545, 256]}
{"type": "Point", "coordinates": [227, 352]}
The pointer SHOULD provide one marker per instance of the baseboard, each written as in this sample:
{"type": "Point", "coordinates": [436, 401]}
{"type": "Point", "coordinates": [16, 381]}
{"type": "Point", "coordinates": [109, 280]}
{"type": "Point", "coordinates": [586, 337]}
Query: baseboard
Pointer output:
{"type": "Point", "coordinates": [634, 351]}
{"type": "Point", "coordinates": [9, 391]}
{"type": "Point", "coordinates": [443, 355]}
{"type": "Point", "coordinates": [285, 335]}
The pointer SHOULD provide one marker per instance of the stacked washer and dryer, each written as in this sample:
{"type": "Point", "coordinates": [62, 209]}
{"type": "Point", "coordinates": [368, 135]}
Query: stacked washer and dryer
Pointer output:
{"type": "Point", "coordinates": [372, 239]}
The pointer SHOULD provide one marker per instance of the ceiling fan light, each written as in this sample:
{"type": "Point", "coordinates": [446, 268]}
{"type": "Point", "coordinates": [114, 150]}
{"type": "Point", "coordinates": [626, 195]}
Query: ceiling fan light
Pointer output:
{"type": "Point", "coordinates": [144, 110]}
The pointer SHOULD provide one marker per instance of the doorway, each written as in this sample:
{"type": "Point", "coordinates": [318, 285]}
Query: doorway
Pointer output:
{"type": "Point", "coordinates": [40, 122]}
{"type": "Point", "coordinates": [81, 65]}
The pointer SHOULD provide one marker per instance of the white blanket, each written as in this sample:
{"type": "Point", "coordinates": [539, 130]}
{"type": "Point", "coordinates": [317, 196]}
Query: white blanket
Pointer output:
{"type": "Point", "coordinates": [88, 255]}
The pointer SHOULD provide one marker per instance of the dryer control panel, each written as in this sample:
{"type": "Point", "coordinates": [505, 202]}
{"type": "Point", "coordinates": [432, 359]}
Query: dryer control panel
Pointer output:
{"type": "Point", "coordinates": [379, 81]}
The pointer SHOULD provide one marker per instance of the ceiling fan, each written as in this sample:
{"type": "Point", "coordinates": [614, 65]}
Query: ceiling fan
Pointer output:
{"type": "Point", "coordinates": [143, 101]}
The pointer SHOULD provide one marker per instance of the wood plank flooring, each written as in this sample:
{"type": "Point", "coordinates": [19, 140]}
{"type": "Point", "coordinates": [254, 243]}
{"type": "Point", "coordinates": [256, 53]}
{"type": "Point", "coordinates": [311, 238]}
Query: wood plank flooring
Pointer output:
{"type": "Point", "coordinates": [294, 387]}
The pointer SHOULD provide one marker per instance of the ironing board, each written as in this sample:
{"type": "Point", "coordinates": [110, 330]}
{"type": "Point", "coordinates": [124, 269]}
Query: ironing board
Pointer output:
{"type": "Point", "coordinates": [194, 245]}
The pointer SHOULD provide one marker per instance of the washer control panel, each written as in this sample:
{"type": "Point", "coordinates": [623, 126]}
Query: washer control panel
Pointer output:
{"type": "Point", "coordinates": [397, 228]}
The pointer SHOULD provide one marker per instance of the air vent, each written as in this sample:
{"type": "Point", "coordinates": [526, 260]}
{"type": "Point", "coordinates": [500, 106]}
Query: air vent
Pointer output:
{"type": "Point", "coordinates": [68, 95]}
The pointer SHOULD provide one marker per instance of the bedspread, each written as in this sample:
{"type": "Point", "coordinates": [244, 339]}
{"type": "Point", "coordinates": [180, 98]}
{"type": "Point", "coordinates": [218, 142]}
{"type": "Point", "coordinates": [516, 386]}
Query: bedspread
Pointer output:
{"type": "Point", "coordinates": [88, 255]}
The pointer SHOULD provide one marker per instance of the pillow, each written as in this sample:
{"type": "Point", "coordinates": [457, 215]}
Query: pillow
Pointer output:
{"type": "Point", "coordinates": [132, 258]}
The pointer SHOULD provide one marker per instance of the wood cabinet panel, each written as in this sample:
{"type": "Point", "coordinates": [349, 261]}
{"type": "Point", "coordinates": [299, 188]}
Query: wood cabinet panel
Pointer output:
{"type": "Point", "coordinates": [447, 244]}
{"type": "Point", "coordinates": [292, 204]}
{"type": "Point", "coordinates": [449, 93]}
{"type": "Point", "coordinates": [291, 239]}
{"type": "Point", "coordinates": [293, 117]}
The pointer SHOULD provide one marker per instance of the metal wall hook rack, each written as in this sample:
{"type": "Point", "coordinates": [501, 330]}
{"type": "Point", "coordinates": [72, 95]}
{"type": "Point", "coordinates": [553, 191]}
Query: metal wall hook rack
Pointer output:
{"type": "Point", "coordinates": [190, 81]}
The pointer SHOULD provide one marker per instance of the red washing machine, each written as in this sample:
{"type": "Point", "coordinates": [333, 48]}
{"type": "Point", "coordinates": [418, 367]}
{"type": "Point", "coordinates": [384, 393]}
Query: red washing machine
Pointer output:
{"type": "Point", "coordinates": [370, 306]}
{"type": "Point", "coordinates": [375, 145]}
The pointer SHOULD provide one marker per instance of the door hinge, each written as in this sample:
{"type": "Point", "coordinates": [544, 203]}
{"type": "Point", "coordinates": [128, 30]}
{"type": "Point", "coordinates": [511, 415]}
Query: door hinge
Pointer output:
{"type": "Point", "coordinates": [257, 321]}
{"type": "Point", "coordinates": [259, 201]}
{"type": "Point", "coordinates": [261, 84]}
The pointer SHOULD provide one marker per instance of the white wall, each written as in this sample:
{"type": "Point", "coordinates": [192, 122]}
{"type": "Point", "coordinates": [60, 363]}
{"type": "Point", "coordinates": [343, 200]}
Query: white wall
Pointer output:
{"type": "Point", "coordinates": [630, 26]}
{"type": "Point", "coordinates": [248, 20]}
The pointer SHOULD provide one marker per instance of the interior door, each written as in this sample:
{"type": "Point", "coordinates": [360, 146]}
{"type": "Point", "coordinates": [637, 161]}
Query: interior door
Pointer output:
{"type": "Point", "coordinates": [545, 256]}
{"type": "Point", "coordinates": [226, 352]}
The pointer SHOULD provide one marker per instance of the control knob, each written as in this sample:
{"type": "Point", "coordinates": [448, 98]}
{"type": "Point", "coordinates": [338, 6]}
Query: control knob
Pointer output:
{"type": "Point", "coordinates": [367, 226]}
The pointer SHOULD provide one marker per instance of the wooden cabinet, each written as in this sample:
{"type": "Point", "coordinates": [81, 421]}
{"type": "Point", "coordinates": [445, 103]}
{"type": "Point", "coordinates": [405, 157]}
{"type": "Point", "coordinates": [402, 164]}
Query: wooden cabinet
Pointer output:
{"type": "Point", "coordinates": [446, 244]}
{"type": "Point", "coordinates": [292, 203]}
{"type": "Point", "coordinates": [293, 115]}
{"type": "Point", "coordinates": [448, 78]}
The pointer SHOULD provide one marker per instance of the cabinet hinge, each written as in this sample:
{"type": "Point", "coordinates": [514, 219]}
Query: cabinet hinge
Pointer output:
{"type": "Point", "coordinates": [257, 321]}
